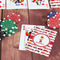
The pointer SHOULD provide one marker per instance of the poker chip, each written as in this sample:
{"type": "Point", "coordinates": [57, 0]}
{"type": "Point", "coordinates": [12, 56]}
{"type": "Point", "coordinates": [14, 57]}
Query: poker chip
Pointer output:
{"type": "Point", "coordinates": [13, 16]}
{"type": "Point", "coordinates": [54, 22]}
{"type": "Point", "coordinates": [51, 14]}
{"type": "Point", "coordinates": [9, 27]}
{"type": "Point", "coordinates": [2, 34]}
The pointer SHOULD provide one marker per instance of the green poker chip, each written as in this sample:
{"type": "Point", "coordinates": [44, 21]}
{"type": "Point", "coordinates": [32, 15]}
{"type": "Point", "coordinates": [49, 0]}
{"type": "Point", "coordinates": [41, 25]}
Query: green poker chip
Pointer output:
{"type": "Point", "coordinates": [9, 27]}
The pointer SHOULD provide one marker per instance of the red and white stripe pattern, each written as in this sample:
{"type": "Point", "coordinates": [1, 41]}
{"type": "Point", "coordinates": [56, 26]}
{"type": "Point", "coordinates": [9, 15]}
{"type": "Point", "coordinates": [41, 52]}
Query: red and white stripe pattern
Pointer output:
{"type": "Point", "coordinates": [55, 3]}
{"type": "Point", "coordinates": [42, 50]}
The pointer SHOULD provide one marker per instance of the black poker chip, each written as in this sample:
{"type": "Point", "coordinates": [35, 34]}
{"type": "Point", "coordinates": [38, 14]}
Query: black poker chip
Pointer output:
{"type": "Point", "coordinates": [2, 34]}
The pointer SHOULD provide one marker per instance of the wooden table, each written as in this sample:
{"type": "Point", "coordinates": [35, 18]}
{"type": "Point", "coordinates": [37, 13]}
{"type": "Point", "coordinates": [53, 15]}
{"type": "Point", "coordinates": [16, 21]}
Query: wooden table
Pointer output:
{"type": "Point", "coordinates": [10, 45]}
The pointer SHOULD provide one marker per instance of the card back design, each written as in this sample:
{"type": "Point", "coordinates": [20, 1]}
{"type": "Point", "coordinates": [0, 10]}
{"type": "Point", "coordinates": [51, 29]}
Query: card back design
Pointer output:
{"type": "Point", "coordinates": [55, 3]}
{"type": "Point", "coordinates": [41, 41]}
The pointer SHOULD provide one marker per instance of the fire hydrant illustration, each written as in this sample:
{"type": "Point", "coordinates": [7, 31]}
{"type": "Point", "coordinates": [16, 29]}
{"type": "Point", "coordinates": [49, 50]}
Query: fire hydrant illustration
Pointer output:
{"type": "Point", "coordinates": [41, 39]}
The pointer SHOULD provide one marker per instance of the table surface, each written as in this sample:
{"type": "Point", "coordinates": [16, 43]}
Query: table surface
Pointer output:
{"type": "Point", "coordinates": [10, 45]}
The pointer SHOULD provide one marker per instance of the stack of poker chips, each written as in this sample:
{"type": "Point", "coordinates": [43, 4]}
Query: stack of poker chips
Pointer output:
{"type": "Point", "coordinates": [17, 2]}
{"type": "Point", "coordinates": [55, 3]}
{"type": "Point", "coordinates": [53, 20]}
{"type": "Point", "coordinates": [8, 26]}
{"type": "Point", "coordinates": [2, 33]}
{"type": "Point", "coordinates": [38, 1]}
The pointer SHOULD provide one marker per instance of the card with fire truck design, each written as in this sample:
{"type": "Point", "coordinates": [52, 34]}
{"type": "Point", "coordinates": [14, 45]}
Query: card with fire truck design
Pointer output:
{"type": "Point", "coordinates": [40, 41]}
{"type": "Point", "coordinates": [37, 39]}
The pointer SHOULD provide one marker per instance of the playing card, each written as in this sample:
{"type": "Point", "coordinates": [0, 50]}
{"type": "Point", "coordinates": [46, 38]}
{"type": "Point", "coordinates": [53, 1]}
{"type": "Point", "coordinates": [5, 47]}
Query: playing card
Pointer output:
{"type": "Point", "coordinates": [38, 4]}
{"type": "Point", "coordinates": [41, 41]}
{"type": "Point", "coordinates": [2, 4]}
{"type": "Point", "coordinates": [54, 2]}
{"type": "Point", "coordinates": [55, 6]}
{"type": "Point", "coordinates": [16, 4]}
{"type": "Point", "coordinates": [23, 38]}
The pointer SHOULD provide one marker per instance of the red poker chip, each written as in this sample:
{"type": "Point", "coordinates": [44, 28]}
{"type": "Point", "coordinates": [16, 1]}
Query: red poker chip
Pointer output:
{"type": "Point", "coordinates": [4, 18]}
{"type": "Point", "coordinates": [54, 22]}
{"type": "Point", "coordinates": [13, 16]}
